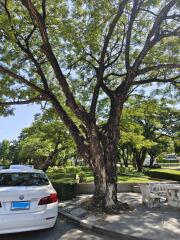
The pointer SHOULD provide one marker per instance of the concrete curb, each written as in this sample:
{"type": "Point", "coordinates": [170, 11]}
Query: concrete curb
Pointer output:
{"type": "Point", "coordinates": [97, 228]}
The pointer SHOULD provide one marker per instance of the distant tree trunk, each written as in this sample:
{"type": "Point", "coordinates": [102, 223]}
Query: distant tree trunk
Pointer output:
{"type": "Point", "coordinates": [152, 159]}
{"type": "Point", "coordinates": [134, 161]}
{"type": "Point", "coordinates": [140, 157]}
{"type": "Point", "coordinates": [124, 156]}
{"type": "Point", "coordinates": [50, 158]}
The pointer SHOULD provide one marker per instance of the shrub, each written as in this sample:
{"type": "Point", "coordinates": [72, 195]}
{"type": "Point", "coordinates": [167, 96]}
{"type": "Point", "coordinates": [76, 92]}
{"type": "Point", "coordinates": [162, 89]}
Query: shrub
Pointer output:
{"type": "Point", "coordinates": [85, 168]}
{"type": "Point", "coordinates": [125, 169]}
{"type": "Point", "coordinates": [65, 191]}
{"type": "Point", "coordinates": [164, 175]}
{"type": "Point", "coordinates": [56, 169]}
{"type": "Point", "coordinates": [60, 175]}
{"type": "Point", "coordinates": [156, 166]}
{"type": "Point", "coordinates": [73, 169]}
{"type": "Point", "coordinates": [82, 177]}
{"type": "Point", "coordinates": [69, 163]}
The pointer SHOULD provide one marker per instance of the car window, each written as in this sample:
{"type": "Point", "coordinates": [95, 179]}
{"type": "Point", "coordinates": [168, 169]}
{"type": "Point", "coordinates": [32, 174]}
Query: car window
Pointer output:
{"type": "Point", "coordinates": [23, 179]}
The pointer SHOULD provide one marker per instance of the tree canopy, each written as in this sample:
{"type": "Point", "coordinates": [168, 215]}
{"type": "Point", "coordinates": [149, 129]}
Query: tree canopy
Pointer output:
{"type": "Point", "coordinates": [148, 126]}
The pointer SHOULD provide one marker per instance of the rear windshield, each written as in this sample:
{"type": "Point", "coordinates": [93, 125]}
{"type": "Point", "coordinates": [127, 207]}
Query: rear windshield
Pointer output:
{"type": "Point", "coordinates": [23, 179]}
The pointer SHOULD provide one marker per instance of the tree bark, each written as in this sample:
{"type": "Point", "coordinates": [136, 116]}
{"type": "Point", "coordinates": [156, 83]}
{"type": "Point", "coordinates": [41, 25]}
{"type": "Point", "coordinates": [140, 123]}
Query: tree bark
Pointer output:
{"type": "Point", "coordinates": [140, 157]}
{"type": "Point", "coordinates": [104, 151]}
{"type": "Point", "coordinates": [104, 170]}
{"type": "Point", "coordinates": [134, 162]}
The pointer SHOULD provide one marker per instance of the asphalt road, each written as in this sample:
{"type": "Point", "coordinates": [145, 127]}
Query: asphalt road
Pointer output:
{"type": "Point", "coordinates": [63, 230]}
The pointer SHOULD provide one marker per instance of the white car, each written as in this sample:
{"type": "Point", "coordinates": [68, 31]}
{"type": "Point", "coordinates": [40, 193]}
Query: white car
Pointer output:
{"type": "Point", "coordinates": [28, 200]}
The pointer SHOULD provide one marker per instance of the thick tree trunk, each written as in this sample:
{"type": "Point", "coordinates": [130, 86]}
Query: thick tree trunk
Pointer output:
{"type": "Point", "coordinates": [105, 193]}
{"type": "Point", "coordinates": [104, 155]}
{"type": "Point", "coordinates": [104, 170]}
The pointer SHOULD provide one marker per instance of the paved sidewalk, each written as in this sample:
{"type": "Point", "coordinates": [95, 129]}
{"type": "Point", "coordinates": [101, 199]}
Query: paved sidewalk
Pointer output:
{"type": "Point", "coordinates": [142, 223]}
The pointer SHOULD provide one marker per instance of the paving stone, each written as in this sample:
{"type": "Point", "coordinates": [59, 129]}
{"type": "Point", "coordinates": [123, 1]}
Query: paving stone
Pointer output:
{"type": "Point", "coordinates": [78, 212]}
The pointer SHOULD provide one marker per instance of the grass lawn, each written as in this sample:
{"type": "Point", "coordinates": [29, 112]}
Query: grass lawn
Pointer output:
{"type": "Point", "coordinates": [128, 179]}
{"type": "Point", "coordinates": [90, 179]}
{"type": "Point", "coordinates": [132, 177]}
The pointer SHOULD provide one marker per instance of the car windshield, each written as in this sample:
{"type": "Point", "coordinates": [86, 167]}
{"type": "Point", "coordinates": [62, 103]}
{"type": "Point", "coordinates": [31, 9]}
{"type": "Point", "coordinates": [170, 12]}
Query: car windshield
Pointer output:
{"type": "Point", "coordinates": [23, 179]}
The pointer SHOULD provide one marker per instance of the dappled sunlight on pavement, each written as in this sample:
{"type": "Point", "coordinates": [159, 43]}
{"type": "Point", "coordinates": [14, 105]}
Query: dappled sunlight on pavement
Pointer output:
{"type": "Point", "coordinates": [155, 223]}
{"type": "Point", "coordinates": [143, 222]}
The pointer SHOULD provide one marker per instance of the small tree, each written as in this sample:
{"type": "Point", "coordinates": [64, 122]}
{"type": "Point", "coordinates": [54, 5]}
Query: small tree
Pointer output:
{"type": "Point", "coordinates": [4, 152]}
{"type": "Point", "coordinates": [44, 142]}
{"type": "Point", "coordinates": [148, 125]}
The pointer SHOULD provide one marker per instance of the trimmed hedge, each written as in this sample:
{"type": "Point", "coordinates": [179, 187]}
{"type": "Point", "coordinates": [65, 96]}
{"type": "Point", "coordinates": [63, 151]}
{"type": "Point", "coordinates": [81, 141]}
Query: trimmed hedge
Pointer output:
{"type": "Point", "coordinates": [164, 175]}
{"type": "Point", "coordinates": [65, 191]}
{"type": "Point", "coordinates": [54, 176]}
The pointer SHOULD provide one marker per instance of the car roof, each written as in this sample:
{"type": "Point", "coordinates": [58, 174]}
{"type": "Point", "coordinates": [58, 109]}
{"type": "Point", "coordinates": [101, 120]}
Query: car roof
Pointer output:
{"type": "Point", "coordinates": [25, 170]}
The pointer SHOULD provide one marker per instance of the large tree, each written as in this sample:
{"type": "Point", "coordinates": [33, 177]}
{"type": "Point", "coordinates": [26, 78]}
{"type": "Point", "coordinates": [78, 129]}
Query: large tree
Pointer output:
{"type": "Point", "coordinates": [75, 53]}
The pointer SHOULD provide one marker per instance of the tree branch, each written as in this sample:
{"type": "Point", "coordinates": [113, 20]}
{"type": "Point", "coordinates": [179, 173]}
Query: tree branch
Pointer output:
{"type": "Point", "coordinates": [115, 75]}
{"type": "Point", "coordinates": [100, 71]}
{"type": "Point", "coordinates": [154, 34]}
{"type": "Point", "coordinates": [154, 68]}
{"type": "Point", "coordinates": [129, 31]}
{"type": "Point", "coordinates": [74, 130]}
{"type": "Point", "coordinates": [22, 80]}
{"type": "Point", "coordinates": [32, 100]}
{"type": "Point", "coordinates": [151, 80]}
{"type": "Point", "coordinates": [26, 49]}
{"type": "Point", "coordinates": [106, 89]}
{"type": "Point", "coordinates": [44, 10]}
{"type": "Point", "coordinates": [47, 49]}
{"type": "Point", "coordinates": [147, 10]}
{"type": "Point", "coordinates": [118, 54]}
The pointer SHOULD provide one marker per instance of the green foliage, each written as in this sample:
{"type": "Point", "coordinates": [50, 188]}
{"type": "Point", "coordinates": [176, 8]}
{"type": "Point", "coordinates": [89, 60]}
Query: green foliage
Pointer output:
{"type": "Point", "coordinates": [85, 168]}
{"type": "Point", "coordinates": [5, 152]}
{"type": "Point", "coordinates": [56, 169]}
{"type": "Point", "coordinates": [40, 140]}
{"type": "Point", "coordinates": [148, 123]}
{"type": "Point", "coordinates": [69, 163]}
{"type": "Point", "coordinates": [76, 31]}
{"type": "Point", "coordinates": [82, 176]}
{"type": "Point", "coordinates": [65, 191]}
{"type": "Point", "coordinates": [73, 169]}
{"type": "Point", "coordinates": [62, 177]}
{"type": "Point", "coordinates": [129, 171]}
{"type": "Point", "coordinates": [177, 144]}
{"type": "Point", "coordinates": [165, 174]}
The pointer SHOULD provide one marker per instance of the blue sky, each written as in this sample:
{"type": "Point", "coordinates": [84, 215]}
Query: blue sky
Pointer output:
{"type": "Point", "coordinates": [10, 127]}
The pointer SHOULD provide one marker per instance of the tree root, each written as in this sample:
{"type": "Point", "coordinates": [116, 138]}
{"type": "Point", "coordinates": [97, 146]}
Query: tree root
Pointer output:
{"type": "Point", "coordinates": [118, 208]}
{"type": "Point", "coordinates": [100, 207]}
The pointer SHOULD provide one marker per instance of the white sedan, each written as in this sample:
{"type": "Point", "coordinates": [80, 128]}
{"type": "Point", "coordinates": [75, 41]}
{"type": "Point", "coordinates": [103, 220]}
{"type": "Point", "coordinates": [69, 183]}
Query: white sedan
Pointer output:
{"type": "Point", "coordinates": [28, 200]}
